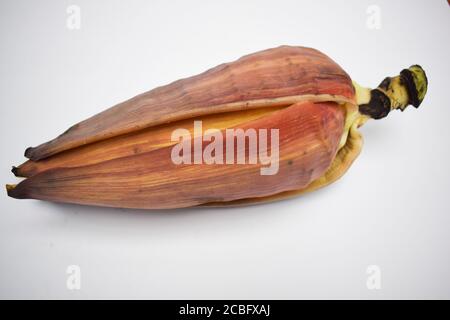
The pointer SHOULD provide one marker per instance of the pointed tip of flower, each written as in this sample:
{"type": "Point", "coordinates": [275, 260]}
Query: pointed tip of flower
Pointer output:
{"type": "Point", "coordinates": [28, 152]}
{"type": "Point", "coordinates": [9, 189]}
{"type": "Point", "coordinates": [15, 171]}
{"type": "Point", "coordinates": [16, 191]}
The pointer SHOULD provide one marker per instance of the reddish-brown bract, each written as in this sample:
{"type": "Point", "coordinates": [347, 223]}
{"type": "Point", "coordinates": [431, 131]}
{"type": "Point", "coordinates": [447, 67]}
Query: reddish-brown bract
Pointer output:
{"type": "Point", "coordinates": [138, 142]}
{"type": "Point", "coordinates": [309, 137]}
{"type": "Point", "coordinates": [253, 81]}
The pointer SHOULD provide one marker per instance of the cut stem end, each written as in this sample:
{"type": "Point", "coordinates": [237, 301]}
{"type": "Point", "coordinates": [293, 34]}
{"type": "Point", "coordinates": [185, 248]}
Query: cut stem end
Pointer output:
{"type": "Point", "coordinates": [408, 88]}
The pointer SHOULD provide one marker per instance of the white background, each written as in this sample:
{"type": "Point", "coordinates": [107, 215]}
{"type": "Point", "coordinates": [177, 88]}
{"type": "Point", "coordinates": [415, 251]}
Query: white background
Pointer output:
{"type": "Point", "coordinates": [391, 209]}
